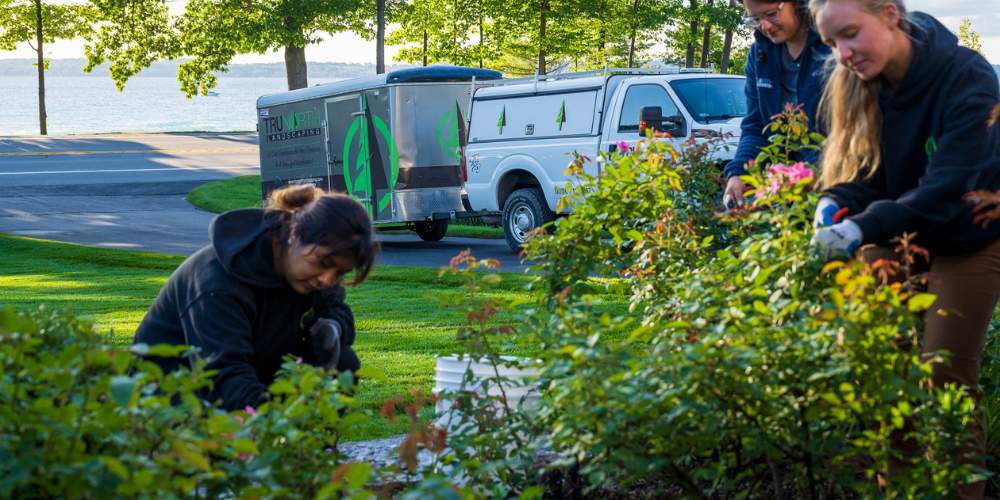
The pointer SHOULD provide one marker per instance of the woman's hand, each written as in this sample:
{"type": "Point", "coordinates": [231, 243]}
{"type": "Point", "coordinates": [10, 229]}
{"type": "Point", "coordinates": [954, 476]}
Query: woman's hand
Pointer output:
{"type": "Point", "coordinates": [838, 240]}
{"type": "Point", "coordinates": [733, 194]}
{"type": "Point", "coordinates": [325, 334]}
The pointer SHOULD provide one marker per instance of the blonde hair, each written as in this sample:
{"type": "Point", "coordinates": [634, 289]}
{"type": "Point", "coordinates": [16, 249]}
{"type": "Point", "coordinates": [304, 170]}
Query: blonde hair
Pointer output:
{"type": "Point", "coordinates": [849, 110]}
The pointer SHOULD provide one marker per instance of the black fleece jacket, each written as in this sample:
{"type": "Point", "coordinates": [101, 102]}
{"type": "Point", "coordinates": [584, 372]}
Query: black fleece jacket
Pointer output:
{"type": "Point", "coordinates": [936, 147]}
{"type": "Point", "coordinates": [227, 300]}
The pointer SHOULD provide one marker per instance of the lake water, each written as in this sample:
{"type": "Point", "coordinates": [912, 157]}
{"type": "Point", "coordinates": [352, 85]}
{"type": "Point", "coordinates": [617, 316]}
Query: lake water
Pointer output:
{"type": "Point", "coordinates": [91, 104]}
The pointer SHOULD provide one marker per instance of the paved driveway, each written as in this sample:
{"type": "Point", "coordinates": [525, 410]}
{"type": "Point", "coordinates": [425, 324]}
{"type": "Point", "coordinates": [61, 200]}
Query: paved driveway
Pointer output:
{"type": "Point", "coordinates": [127, 191]}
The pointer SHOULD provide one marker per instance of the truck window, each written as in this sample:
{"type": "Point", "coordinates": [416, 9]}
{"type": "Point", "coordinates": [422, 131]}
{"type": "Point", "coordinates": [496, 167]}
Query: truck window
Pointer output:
{"type": "Point", "coordinates": [639, 96]}
{"type": "Point", "coordinates": [712, 99]}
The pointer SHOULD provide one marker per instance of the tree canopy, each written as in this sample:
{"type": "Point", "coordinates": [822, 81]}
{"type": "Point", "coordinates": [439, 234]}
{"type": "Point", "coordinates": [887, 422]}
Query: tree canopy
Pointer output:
{"type": "Point", "coordinates": [131, 34]}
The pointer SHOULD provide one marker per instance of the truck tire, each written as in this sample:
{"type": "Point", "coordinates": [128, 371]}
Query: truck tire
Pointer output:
{"type": "Point", "coordinates": [524, 210]}
{"type": "Point", "coordinates": [431, 230]}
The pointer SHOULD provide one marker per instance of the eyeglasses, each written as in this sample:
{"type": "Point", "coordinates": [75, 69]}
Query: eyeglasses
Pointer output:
{"type": "Point", "coordinates": [771, 16]}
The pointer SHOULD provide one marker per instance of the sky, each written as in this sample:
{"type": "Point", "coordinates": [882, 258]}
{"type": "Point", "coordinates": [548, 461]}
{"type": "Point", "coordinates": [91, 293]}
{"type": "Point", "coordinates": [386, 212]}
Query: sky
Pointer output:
{"type": "Point", "coordinates": [351, 48]}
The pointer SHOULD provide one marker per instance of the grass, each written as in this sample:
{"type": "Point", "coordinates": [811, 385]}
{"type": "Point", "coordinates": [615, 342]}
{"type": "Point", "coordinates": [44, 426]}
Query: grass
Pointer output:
{"type": "Point", "coordinates": [244, 192]}
{"type": "Point", "coordinates": [114, 288]}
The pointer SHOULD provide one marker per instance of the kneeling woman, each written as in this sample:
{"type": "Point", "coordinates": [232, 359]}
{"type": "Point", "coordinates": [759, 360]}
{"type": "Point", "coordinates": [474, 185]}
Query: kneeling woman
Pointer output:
{"type": "Point", "coordinates": [268, 285]}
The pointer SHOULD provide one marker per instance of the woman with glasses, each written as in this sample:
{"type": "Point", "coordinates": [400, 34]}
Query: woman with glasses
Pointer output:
{"type": "Point", "coordinates": [785, 65]}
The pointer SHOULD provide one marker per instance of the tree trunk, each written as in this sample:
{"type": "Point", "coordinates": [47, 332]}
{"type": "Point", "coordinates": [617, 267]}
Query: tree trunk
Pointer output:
{"type": "Point", "coordinates": [295, 67]}
{"type": "Point", "coordinates": [706, 40]}
{"type": "Point", "coordinates": [541, 36]}
{"type": "Point", "coordinates": [689, 56]}
{"type": "Point", "coordinates": [727, 45]}
{"type": "Point", "coordinates": [482, 40]}
{"type": "Point", "coordinates": [380, 37]}
{"type": "Point", "coordinates": [42, 117]}
{"type": "Point", "coordinates": [635, 27]}
{"type": "Point", "coordinates": [425, 47]}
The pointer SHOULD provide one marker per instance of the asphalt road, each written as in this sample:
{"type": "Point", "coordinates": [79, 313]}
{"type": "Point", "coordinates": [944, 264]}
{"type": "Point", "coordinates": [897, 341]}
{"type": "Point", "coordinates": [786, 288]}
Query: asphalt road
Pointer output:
{"type": "Point", "coordinates": [127, 191]}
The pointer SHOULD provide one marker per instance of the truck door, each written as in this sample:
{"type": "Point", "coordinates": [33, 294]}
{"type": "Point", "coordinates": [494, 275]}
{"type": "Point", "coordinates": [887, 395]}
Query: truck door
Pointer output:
{"type": "Point", "coordinates": [625, 122]}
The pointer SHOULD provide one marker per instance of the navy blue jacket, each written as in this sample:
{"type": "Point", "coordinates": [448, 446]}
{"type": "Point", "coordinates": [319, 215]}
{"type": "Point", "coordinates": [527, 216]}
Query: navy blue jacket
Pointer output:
{"type": "Point", "coordinates": [227, 300]}
{"type": "Point", "coordinates": [763, 93]}
{"type": "Point", "coordinates": [936, 147]}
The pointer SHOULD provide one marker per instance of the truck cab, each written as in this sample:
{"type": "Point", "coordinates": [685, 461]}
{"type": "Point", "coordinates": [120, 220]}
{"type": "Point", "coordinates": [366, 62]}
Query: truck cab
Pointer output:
{"type": "Point", "coordinates": [523, 133]}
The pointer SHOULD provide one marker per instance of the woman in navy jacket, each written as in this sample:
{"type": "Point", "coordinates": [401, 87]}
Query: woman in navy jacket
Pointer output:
{"type": "Point", "coordinates": [785, 65]}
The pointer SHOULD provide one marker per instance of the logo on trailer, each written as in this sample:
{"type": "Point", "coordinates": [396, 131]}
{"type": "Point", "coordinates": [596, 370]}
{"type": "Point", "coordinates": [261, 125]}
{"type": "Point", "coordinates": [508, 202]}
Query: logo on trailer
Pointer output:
{"type": "Point", "coordinates": [358, 171]}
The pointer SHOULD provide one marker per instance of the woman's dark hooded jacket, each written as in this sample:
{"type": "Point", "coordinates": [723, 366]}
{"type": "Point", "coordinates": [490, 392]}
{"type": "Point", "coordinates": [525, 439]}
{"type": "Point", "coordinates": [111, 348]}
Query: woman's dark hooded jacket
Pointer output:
{"type": "Point", "coordinates": [228, 301]}
{"type": "Point", "coordinates": [936, 147]}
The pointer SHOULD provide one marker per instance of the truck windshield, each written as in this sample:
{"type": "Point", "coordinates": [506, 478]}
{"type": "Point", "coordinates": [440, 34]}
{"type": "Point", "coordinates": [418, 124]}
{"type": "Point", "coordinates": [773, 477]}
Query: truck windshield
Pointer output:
{"type": "Point", "coordinates": [712, 99]}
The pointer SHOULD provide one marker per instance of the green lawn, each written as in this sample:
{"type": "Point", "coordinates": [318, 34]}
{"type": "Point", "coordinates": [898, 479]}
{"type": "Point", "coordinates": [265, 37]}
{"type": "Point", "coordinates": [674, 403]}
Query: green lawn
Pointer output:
{"type": "Point", "coordinates": [113, 288]}
{"type": "Point", "coordinates": [244, 192]}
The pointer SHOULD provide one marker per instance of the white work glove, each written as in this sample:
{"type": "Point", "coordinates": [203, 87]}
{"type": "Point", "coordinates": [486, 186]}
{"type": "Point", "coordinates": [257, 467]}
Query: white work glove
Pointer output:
{"type": "Point", "coordinates": [838, 240]}
{"type": "Point", "coordinates": [325, 334]}
{"type": "Point", "coordinates": [825, 210]}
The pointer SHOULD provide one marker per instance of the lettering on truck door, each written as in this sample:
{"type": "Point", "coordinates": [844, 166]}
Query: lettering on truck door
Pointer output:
{"type": "Point", "coordinates": [625, 123]}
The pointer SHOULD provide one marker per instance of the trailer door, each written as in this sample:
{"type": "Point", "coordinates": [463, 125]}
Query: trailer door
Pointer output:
{"type": "Point", "coordinates": [356, 150]}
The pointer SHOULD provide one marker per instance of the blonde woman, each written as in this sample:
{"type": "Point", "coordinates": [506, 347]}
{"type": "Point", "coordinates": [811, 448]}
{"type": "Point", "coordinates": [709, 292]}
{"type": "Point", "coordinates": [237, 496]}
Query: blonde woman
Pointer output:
{"type": "Point", "coordinates": [270, 284]}
{"type": "Point", "coordinates": [906, 111]}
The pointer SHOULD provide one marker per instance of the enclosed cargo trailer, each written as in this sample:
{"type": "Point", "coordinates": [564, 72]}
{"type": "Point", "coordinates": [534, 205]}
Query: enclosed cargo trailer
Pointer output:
{"type": "Point", "coordinates": [393, 142]}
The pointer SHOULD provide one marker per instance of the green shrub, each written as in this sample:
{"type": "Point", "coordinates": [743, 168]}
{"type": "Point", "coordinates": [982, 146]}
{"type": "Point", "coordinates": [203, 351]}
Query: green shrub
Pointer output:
{"type": "Point", "coordinates": [79, 418]}
{"type": "Point", "coordinates": [749, 368]}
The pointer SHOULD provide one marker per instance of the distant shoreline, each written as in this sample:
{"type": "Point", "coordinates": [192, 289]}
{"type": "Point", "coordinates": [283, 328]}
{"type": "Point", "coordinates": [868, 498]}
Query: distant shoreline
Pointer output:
{"type": "Point", "coordinates": [134, 132]}
{"type": "Point", "coordinates": [74, 67]}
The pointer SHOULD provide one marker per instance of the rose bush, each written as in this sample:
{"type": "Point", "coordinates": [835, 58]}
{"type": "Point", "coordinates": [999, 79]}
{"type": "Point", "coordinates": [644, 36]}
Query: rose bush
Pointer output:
{"type": "Point", "coordinates": [745, 365]}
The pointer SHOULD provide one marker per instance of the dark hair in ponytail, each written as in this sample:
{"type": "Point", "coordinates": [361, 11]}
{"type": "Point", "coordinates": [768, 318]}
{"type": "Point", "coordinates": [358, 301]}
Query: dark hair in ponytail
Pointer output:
{"type": "Point", "coordinates": [329, 220]}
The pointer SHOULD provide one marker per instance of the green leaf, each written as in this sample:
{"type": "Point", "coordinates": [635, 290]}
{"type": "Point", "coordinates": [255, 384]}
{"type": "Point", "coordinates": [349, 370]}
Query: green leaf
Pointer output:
{"type": "Point", "coordinates": [122, 388]}
{"type": "Point", "coordinates": [282, 386]}
{"type": "Point", "coordinates": [116, 467]}
{"type": "Point", "coordinates": [358, 474]}
{"type": "Point", "coordinates": [920, 302]}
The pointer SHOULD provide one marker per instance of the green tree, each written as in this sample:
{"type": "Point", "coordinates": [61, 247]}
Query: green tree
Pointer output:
{"type": "Point", "coordinates": [132, 34]}
{"type": "Point", "coordinates": [37, 23]}
{"type": "Point", "coordinates": [714, 27]}
{"type": "Point", "coordinates": [968, 37]}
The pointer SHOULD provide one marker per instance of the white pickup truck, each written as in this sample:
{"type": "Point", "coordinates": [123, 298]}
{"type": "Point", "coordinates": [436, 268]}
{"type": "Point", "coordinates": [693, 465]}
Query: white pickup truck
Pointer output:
{"type": "Point", "coordinates": [522, 133]}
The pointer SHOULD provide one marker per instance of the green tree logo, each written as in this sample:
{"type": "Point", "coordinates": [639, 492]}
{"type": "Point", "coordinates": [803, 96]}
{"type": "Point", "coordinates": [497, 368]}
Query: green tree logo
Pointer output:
{"type": "Point", "coordinates": [358, 171]}
{"type": "Point", "coordinates": [449, 135]}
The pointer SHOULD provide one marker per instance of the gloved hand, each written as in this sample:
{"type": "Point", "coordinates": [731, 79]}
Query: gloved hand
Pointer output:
{"type": "Point", "coordinates": [325, 334]}
{"type": "Point", "coordinates": [826, 209]}
{"type": "Point", "coordinates": [840, 239]}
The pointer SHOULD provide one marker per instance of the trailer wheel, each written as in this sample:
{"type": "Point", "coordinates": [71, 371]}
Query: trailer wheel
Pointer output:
{"type": "Point", "coordinates": [524, 210]}
{"type": "Point", "coordinates": [431, 230]}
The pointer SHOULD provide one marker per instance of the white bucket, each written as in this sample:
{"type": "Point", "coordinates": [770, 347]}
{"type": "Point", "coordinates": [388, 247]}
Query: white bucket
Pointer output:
{"type": "Point", "coordinates": [450, 372]}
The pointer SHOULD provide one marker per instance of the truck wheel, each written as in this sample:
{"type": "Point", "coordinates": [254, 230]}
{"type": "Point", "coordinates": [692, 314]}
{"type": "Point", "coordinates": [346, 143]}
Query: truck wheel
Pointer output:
{"type": "Point", "coordinates": [524, 210]}
{"type": "Point", "coordinates": [431, 230]}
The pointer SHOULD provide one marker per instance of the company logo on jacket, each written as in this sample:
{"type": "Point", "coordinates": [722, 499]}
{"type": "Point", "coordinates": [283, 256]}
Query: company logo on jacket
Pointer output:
{"type": "Point", "coordinates": [764, 83]}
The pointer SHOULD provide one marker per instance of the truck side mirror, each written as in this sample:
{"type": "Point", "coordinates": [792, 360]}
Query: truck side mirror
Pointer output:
{"type": "Point", "coordinates": [676, 125]}
{"type": "Point", "coordinates": [650, 117]}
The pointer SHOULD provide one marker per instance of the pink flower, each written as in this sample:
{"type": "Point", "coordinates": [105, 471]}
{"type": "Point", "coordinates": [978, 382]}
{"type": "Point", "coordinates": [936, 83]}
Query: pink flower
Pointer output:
{"type": "Point", "coordinates": [250, 410]}
{"type": "Point", "coordinates": [623, 147]}
{"type": "Point", "coordinates": [779, 176]}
